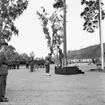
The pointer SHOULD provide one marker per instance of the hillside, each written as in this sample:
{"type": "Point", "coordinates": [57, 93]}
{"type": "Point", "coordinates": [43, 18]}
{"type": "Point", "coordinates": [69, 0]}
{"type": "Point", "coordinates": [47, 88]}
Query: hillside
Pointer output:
{"type": "Point", "coordinates": [88, 52]}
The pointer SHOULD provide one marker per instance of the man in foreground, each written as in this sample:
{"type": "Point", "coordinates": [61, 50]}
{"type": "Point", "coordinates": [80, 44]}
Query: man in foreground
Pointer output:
{"type": "Point", "coordinates": [3, 71]}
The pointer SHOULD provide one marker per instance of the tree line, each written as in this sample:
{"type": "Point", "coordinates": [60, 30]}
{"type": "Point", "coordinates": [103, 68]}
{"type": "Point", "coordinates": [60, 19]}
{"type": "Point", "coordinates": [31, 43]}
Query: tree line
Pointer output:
{"type": "Point", "coordinates": [12, 54]}
{"type": "Point", "coordinates": [10, 10]}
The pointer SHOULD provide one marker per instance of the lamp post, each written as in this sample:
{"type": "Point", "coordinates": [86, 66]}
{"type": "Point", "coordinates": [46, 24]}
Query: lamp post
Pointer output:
{"type": "Point", "coordinates": [64, 36]}
{"type": "Point", "coordinates": [100, 35]}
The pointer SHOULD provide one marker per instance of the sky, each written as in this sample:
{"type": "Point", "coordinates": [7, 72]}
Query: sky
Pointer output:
{"type": "Point", "coordinates": [31, 37]}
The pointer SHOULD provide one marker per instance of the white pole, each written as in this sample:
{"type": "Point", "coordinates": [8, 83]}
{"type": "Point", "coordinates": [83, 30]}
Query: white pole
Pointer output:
{"type": "Point", "coordinates": [101, 37]}
{"type": "Point", "coordinates": [64, 36]}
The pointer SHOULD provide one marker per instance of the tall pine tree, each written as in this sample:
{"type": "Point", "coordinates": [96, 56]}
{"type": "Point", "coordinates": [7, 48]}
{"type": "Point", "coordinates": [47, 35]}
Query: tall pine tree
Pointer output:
{"type": "Point", "coordinates": [55, 37]}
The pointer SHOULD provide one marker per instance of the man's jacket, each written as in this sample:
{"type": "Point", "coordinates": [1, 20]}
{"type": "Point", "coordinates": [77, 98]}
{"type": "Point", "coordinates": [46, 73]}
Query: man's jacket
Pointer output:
{"type": "Point", "coordinates": [47, 60]}
{"type": "Point", "coordinates": [3, 64]}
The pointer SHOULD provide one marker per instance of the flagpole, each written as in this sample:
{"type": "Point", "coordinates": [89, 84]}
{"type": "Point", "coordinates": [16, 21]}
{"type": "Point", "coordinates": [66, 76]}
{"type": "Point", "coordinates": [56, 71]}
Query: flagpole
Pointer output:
{"type": "Point", "coordinates": [101, 36]}
{"type": "Point", "coordinates": [64, 36]}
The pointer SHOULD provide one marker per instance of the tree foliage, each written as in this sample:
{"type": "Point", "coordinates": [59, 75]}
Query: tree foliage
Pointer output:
{"type": "Point", "coordinates": [91, 14]}
{"type": "Point", "coordinates": [58, 4]}
{"type": "Point", "coordinates": [10, 51]}
{"type": "Point", "coordinates": [25, 56]}
{"type": "Point", "coordinates": [55, 37]}
{"type": "Point", "coordinates": [32, 55]}
{"type": "Point", "coordinates": [9, 11]}
{"type": "Point", "coordinates": [12, 54]}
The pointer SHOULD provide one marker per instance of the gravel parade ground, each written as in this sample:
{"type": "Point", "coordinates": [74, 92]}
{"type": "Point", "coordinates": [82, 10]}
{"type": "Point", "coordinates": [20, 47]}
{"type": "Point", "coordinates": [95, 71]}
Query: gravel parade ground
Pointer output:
{"type": "Point", "coordinates": [35, 88]}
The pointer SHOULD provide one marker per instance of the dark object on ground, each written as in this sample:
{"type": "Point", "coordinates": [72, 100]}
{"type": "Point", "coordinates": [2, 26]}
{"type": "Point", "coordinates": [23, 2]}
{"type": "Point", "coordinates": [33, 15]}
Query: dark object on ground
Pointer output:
{"type": "Point", "coordinates": [69, 70]}
{"type": "Point", "coordinates": [98, 70]}
{"type": "Point", "coordinates": [4, 100]}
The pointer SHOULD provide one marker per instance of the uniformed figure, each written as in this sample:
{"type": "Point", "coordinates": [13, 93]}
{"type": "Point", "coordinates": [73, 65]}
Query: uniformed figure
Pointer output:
{"type": "Point", "coordinates": [17, 64]}
{"type": "Point", "coordinates": [10, 64]}
{"type": "Point", "coordinates": [3, 72]}
{"type": "Point", "coordinates": [42, 62]}
{"type": "Point", "coordinates": [47, 64]}
{"type": "Point", "coordinates": [60, 55]}
{"type": "Point", "coordinates": [38, 63]}
{"type": "Point", "coordinates": [35, 64]}
{"type": "Point", "coordinates": [14, 63]}
{"type": "Point", "coordinates": [27, 64]}
{"type": "Point", "coordinates": [32, 65]}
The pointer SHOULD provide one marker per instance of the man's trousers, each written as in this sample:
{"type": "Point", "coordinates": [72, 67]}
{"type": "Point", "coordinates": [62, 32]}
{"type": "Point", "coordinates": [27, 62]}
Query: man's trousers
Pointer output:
{"type": "Point", "coordinates": [3, 79]}
{"type": "Point", "coordinates": [47, 68]}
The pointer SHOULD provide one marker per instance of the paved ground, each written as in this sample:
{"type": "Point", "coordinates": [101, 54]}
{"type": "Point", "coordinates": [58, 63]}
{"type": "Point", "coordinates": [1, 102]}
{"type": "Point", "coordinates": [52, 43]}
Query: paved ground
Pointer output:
{"type": "Point", "coordinates": [25, 88]}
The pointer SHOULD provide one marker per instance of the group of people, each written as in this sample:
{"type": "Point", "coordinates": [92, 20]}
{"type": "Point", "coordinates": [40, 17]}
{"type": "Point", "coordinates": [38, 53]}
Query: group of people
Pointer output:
{"type": "Point", "coordinates": [46, 63]}
{"type": "Point", "coordinates": [5, 66]}
{"type": "Point", "coordinates": [13, 64]}
{"type": "Point", "coordinates": [48, 60]}
{"type": "Point", "coordinates": [35, 64]}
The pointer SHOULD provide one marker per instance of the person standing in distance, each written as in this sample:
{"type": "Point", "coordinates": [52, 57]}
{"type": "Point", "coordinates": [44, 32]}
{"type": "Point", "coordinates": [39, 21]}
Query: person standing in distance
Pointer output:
{"type": "Point", "coordinates": [32, 64]}
{"type": "Point", "coordinates": [47, 64]}
{"type": "Point", "coordinates": [3, 71]}
{"type": "Point", "coordinates": [60, 55]}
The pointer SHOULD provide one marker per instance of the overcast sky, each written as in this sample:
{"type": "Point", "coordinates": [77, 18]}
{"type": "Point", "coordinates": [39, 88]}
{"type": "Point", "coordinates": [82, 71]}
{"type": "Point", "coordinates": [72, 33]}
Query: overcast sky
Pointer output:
{"type": "Point", "coordinates": [31, 37]}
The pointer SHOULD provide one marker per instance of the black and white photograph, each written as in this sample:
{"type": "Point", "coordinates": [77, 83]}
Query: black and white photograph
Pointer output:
{"type": "Point", "coordinates": [52, 52]}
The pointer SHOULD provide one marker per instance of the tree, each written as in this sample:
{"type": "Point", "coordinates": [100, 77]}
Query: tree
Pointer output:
{"type": "Point", "coordinates": [91, 14]}
{"type": "Point", "coordinates": [56, 20]}
{"type": "Point", "coordinates": [10, 50]}
{"type": "Point", "coordinates": [16, 56]}
{"type": "Point", "coordinates": [25, 56]}
{"type": "Point", "coordinates": [58, 4]}
{"type": "Point", "coordinates": [32, 55]}
{"type": "Point", "coordinates": [10, 10]}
